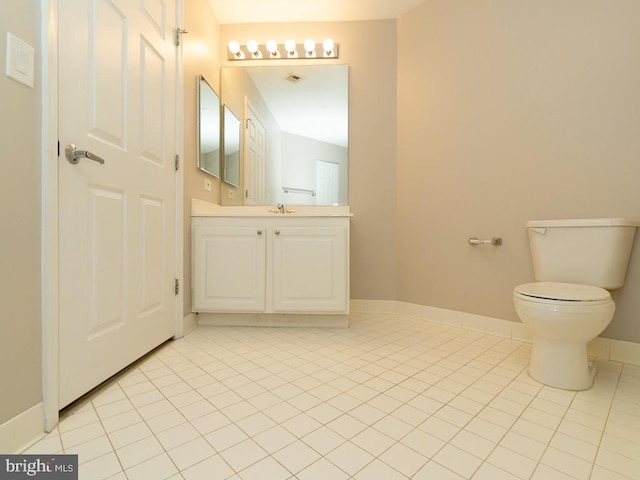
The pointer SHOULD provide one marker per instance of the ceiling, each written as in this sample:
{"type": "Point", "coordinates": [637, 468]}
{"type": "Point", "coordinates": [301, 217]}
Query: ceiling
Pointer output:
{"type": "Point", "coordinates": [260, 11]}
{"type": "Point", "coordinates": [315, 106]}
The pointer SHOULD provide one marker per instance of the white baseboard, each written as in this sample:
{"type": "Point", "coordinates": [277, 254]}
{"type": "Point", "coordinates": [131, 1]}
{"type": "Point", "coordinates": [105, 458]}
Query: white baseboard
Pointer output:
{"type": "Point", "coordinates": [23, 430]}
{"type": "Point", "coordinates": [625, 352]}
{"type": "Point", "coordinates": [600, 347]}
{"type": "Point", "coordinates": [272, 320]}
{"type": "Point", "coordinates": [189, 323]}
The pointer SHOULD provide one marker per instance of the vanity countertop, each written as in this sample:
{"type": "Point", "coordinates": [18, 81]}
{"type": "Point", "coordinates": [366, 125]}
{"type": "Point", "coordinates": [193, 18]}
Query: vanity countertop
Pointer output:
{"type": "Point", "coordinates": [200, 208]}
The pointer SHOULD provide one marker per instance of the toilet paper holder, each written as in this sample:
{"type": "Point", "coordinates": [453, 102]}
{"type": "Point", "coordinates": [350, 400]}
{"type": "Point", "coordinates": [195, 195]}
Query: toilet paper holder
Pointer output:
{"type": "Point", "coordinates": [496, 241]}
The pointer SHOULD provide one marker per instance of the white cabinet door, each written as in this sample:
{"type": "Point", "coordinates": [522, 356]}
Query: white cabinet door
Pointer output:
{"type": "Point", "coordinates": [309, 269]}
{"type": "Point", "coordinates": [229, 269]}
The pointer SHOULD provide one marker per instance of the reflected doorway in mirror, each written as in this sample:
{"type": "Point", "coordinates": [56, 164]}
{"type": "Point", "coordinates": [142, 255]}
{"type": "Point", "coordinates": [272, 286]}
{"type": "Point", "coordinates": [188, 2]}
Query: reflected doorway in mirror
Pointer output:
{"type": "Point", "coordinates": [255, 149]}
{"type": "Point", "coordinates": [327, 183]}
{"type": "Point", "coordinates": [231, 148]}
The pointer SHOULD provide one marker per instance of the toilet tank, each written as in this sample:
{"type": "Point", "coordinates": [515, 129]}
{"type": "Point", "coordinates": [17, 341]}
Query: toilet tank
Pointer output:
{"type": "Point", "coordinates": [587, 251]}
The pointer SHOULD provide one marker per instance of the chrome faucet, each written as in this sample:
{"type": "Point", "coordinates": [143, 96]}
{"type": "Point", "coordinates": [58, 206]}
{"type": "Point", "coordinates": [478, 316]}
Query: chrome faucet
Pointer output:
{"type": "Point", "coordinates": [280, 208]}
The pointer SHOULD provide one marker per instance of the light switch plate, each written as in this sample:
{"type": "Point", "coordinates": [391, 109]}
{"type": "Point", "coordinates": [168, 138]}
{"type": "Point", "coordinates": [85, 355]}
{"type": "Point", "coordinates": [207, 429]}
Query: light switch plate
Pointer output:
{"type": "Point", "coordinates": [20, 60]}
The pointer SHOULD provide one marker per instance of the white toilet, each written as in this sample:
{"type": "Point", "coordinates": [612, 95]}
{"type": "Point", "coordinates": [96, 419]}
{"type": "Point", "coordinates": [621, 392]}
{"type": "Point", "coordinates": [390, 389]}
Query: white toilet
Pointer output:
{"type": "Point", "coordinates": [575, 262]}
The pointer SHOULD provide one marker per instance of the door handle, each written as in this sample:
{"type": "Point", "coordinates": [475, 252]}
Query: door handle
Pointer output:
{"type": "Point", "coordinates": [74, 155]}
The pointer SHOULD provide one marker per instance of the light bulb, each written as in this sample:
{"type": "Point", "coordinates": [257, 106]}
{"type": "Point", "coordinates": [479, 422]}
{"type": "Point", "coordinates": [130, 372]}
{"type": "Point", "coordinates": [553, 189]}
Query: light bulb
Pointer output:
{"type": "Point", "coordinates": [272, 47]}
{"type": "Point", "coordinates": [328, 45]}
{"type": "Point", "coordinates": [252, 46]}
{"type": "Point", "coordinates": [234, 47]}
{"type": "Point", "coordinates": [309, 45]}
{"type": "Point", "coordinates": [290, 45]}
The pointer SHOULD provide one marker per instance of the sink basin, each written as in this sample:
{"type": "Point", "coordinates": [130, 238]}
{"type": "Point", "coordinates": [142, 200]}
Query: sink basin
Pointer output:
{"type": "Point", "coordinates": [278, 212]}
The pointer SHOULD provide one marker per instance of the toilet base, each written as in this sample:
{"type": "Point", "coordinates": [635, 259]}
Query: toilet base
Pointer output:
{"type": "Point", "coordinates": [561, 364]}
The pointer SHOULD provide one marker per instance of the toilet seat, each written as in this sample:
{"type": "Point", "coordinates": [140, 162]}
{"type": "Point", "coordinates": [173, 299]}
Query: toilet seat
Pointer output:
{"type": "Point", "coordinates": [562, 293]}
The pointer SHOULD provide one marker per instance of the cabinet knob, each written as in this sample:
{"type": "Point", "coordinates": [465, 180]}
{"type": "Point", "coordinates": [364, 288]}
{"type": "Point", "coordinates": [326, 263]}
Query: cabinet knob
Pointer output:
{"type": "Point", "coordinates": [277, 232]}
{"type": "Point", "coordinates": [259, 232]}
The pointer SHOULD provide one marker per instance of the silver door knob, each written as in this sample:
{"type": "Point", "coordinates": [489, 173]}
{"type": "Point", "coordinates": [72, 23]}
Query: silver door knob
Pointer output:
{"type": "Point", "coordinates": [74, 155]}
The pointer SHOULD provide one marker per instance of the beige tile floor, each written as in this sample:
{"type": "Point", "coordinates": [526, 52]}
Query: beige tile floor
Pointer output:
{"type": "Point", "coordinates": [391, 397]}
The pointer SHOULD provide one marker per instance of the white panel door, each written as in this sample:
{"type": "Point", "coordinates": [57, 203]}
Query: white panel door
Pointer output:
{"type": "Point", "coordinates": [229, 269]}
{"type": "Point", "coordinates": [117, 220]}
{"type": "Point", "coordinates": [310, 269]}
{"type": "Point", "coordinates": [327, 183]}
{"type": "Point", "coordinates": [255, 158]}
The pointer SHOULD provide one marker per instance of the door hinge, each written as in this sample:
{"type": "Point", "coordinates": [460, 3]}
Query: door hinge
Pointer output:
{"type": "Point", "coordinates": [177, 165]}
{"type": "Point", "coordinates": [58, 147]}
{"type": "Point", "coordinates": [177, 287]}
{"type": "Point", "coordinates": [179, 31]}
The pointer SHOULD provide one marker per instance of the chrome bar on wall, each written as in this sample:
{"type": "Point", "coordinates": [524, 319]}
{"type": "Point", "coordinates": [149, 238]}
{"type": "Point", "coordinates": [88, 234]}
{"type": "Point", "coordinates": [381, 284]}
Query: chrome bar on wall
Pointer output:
{"type": "Point", "coordinates": [496, 241]}
{"type": "Point", "coordinates": [299, 190]}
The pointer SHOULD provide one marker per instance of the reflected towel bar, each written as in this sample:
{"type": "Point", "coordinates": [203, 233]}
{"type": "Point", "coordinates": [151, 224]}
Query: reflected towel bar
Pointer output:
{"type": "Point", "coordinates": [299, 190]}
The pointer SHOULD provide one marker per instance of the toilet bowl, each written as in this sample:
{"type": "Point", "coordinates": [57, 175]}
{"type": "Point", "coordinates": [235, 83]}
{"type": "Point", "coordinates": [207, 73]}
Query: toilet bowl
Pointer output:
{"type": "Point", "coordinates": [563, 318]}
{"type": "Point", "coordinates": [575, 264]}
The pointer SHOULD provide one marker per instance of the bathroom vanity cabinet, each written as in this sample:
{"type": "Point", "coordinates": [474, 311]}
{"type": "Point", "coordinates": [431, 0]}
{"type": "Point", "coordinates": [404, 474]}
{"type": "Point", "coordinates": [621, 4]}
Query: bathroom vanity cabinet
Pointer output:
{"type": "Point", "coordinates": [285, 263]}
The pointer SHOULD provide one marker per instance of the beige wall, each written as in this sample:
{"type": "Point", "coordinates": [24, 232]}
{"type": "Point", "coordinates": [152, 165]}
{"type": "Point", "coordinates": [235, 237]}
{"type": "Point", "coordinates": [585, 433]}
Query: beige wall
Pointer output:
{"type": "Point", "coordinates": [20, 196]}
{"type": "Point", "coordinates": [200, 52]}
{"type": "Point", "coordinates": [510, 111]}
{"type": "Point", "coordinates": [369, 48]}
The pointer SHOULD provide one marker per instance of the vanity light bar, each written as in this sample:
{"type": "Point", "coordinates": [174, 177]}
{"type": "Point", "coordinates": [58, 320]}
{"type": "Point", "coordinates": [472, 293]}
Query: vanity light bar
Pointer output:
{"type": "Point", "coordinates": [288, 50]}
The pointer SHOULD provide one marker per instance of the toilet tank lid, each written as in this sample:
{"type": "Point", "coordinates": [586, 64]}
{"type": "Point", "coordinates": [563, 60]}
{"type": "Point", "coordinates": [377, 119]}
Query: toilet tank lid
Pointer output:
{"type": "Point", "coordinates": [583, 222]}
{"type": "Point", "coordinates": [570, 292]}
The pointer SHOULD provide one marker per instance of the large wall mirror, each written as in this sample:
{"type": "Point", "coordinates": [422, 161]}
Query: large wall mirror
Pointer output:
{"type": "Point", "coordinates": [295, 132]}
{"type": "Point", "coordinates": [208, 128]}
{"type": "Point", "coordinates": [231, 148]}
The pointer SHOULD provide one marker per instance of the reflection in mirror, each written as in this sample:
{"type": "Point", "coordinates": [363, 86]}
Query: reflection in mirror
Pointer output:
{"type": "Point", "coordinates": [295, 142]}
{"type": "Point", "coordinates": [209, 128]}
{"type": "Point", "coordinates": [231, 148]}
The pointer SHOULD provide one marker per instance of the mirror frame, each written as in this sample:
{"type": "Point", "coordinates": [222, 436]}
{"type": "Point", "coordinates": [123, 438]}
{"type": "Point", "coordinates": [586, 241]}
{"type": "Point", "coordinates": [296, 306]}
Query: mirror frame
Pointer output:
{"type": "Point", "coordinates": [232, 128]}
{"type": "Point", "coordinates": [202, 82]}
